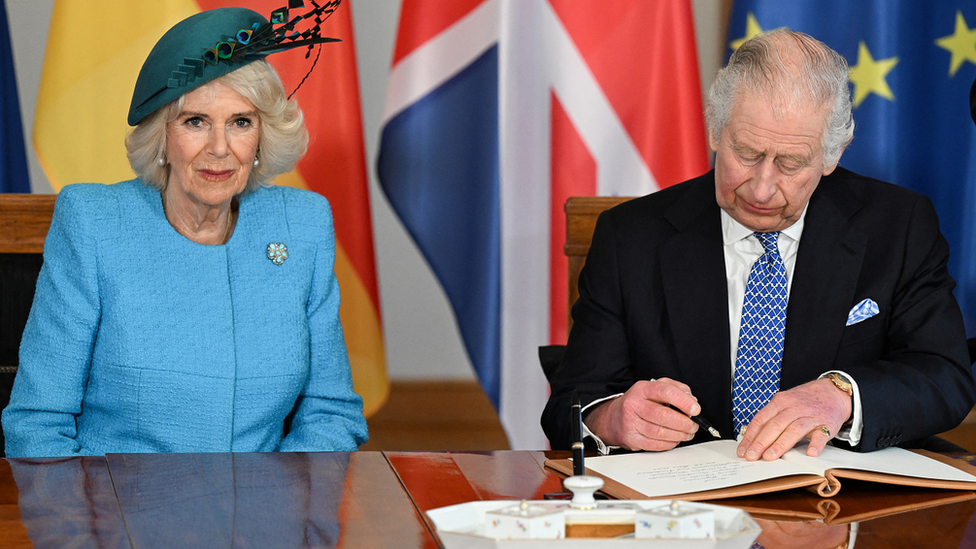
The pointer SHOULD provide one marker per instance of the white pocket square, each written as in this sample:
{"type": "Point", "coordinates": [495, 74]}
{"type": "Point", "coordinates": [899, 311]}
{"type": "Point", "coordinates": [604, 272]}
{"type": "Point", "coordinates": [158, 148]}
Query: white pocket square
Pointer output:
{"type": "Point", "coordinates": [862, 311]}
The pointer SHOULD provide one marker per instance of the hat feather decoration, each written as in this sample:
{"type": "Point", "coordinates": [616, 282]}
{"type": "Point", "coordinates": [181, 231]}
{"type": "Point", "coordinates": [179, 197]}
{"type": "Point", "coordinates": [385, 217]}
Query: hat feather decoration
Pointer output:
{"type": "Point", "coordinates": [212, 43]}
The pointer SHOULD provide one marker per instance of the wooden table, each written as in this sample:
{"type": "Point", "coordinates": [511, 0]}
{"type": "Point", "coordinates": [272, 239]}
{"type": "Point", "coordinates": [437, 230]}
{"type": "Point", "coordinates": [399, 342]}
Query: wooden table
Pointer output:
{"type": "Point", "coordinates": [361, 500]}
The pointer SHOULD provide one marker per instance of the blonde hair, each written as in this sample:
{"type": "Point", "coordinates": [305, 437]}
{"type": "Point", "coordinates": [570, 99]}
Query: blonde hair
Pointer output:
{"type": "Point", "coordinates": [283, 141]}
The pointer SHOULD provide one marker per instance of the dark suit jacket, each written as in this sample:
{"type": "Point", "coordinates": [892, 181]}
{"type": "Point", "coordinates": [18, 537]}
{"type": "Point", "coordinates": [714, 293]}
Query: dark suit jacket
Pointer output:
{"type": "Point", "coordinates": [653, 303]}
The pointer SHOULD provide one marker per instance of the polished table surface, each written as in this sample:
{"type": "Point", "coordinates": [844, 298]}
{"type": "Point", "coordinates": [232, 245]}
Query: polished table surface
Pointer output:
{"type": "Point", "coordinates": [376, 500]}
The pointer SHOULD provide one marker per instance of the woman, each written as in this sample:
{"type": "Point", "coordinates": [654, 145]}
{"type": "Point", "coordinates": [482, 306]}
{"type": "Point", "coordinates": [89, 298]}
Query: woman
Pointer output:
{"type": "Point", "coordinates": [193, 309]}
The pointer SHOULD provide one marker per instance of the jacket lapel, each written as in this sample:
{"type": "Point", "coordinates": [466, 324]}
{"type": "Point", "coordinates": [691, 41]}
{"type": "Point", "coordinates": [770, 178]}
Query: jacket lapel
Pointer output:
{"type": "Point", "coordinates": [825, 277]}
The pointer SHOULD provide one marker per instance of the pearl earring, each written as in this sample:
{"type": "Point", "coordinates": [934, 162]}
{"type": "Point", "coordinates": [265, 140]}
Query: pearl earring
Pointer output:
{"type": "Point", "coordinates": [161, 161]}
{"type": "Point", "coordinates": [256, 162]}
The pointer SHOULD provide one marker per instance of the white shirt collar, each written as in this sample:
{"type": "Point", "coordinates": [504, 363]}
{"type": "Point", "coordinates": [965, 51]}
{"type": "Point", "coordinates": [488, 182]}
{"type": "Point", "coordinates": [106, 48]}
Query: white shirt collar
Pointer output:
{"type": "Point", "coordinates": [733, 231]}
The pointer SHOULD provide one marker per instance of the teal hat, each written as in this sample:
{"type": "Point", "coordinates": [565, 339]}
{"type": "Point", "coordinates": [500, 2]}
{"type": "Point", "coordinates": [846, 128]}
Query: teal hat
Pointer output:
{"type": "Point", "coordinates": [212, 43]}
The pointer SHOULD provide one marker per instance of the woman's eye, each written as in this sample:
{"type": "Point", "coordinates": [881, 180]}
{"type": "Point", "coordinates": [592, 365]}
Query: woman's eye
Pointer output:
{"type": "Point", "coordinates": [242, 122]}
{"type": "Point", "coordinates": [194, 121]}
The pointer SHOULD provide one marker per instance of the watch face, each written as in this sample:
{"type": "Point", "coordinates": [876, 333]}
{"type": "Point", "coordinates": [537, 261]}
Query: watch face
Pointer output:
{"type": "Point", "coordinates": [842, 384]}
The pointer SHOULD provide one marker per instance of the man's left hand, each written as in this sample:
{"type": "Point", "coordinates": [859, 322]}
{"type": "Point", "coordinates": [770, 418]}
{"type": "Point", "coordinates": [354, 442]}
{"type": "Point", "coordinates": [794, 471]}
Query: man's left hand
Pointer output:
{"type": "Point", "coordinates": [793, 415]}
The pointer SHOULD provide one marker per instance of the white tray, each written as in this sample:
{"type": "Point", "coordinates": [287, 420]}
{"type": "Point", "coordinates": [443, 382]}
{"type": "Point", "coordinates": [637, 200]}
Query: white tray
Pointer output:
{"type": "Point", "coordinates": [462, 526]}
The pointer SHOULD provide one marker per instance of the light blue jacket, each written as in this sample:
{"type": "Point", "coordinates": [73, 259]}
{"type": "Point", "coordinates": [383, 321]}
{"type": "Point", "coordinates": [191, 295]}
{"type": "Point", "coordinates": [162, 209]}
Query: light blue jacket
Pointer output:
{"type": "Point", "coordinates": [140, 340]}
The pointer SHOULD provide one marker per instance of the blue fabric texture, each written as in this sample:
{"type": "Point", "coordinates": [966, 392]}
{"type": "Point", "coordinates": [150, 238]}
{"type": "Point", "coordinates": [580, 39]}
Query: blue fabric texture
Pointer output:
{"type": "Point", "coordinates": [762, 333]}
{"type": "Point", "coordinates": [140, 340]}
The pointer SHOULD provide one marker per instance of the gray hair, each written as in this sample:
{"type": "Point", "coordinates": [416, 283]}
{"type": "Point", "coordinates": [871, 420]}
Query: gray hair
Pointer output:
{"type": "Point", "coordinates": [283, 142]}
{"type": "Point", "coordinates": [790, 67]}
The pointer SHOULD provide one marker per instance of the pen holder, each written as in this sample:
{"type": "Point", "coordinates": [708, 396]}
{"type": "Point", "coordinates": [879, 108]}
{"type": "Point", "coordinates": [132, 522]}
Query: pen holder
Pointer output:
{"type": "Point", "coordinates": [583, 488]}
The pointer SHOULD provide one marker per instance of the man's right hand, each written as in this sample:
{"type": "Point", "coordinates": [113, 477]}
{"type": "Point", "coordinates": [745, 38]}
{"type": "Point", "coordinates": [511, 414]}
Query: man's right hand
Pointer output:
{"type": "Point", "coordinates": [641, 419]}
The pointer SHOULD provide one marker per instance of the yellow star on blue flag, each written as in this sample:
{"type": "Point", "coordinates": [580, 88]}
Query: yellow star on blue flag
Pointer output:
{"type": "Point", "coordinates": [868, 75]}
{"type": "Point", "coordinates": [961, 44]}
{"type": "Point", "coordinates": [752, 29]}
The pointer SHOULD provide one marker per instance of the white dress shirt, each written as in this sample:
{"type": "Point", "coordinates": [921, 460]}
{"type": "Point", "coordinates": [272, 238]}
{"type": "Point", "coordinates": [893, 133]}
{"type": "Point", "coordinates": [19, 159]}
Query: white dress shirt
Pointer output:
{"type": "Point", "coordinates": [742, 249]}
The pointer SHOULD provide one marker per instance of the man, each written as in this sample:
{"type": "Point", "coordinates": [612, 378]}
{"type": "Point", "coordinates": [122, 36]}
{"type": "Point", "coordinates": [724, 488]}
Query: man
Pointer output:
{"type": "Point", "coordinates": [776, 268]}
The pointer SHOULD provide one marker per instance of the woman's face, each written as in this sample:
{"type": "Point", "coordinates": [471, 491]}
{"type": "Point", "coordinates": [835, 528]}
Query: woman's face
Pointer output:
{"type": "Point", "coordinates": [211, 145]}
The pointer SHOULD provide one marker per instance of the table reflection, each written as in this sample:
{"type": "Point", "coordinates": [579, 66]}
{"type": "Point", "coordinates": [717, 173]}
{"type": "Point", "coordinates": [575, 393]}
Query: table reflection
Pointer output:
{"type": "Point", "coordinates": [231, 500]}
{"type": "Point", "coordinates": [786, 534]}
{"type": "Point", "coordinates": [946, 525]}
{"type": "Point", "coordinates": [68, 503]}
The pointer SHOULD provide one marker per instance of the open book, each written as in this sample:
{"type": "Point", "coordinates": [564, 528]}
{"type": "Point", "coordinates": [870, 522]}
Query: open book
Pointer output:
{"type": "Point", "coordinates": [711, 470]}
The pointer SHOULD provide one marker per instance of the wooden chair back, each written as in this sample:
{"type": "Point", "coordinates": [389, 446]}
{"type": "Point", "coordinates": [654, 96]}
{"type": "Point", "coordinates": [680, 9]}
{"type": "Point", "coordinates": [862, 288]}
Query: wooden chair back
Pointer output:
{"type": "Point", "coordinates": [24, 221]}
{"type": "Point", "coordinates": [581, 214]}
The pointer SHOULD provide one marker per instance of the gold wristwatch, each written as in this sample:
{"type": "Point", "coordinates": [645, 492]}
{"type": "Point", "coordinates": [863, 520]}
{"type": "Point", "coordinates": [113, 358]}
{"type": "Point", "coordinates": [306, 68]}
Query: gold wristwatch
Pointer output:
{"type": "Point", "coordinates": [842, 383]}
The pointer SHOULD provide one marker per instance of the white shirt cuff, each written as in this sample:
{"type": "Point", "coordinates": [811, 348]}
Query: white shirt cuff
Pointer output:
{"type": "Point", "coordinates": [600, 446]}
{"type": "Point", "coordinates": [851, 434]}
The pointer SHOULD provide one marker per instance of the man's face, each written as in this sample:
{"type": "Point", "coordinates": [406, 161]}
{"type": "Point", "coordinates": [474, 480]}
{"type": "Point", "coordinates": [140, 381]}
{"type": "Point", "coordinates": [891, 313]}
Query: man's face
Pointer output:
{"type": "Point", "coordinates": [767, 166]}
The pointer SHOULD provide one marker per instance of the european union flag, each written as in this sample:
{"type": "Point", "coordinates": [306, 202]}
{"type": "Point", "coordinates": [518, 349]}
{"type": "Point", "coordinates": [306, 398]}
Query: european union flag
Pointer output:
{"type": "Point", "coordinates": [912, 64]}
{"type": "Point", "coordinates": [14, 177]}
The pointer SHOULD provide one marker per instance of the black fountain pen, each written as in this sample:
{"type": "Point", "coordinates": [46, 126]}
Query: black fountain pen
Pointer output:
{"type": "Point", "coordinates": [577, 426]}
{"type": "Point", "coordinates": [702, 422]}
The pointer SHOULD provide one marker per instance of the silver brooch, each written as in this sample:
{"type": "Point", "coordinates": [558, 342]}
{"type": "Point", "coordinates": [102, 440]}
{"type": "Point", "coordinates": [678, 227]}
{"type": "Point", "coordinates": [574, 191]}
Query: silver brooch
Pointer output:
{"type": "Point", "coordinates": [277, 253]}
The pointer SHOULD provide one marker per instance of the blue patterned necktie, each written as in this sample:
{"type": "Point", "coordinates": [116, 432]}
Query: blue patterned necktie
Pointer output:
{"type": "Point", "coordinates": [761, 334]}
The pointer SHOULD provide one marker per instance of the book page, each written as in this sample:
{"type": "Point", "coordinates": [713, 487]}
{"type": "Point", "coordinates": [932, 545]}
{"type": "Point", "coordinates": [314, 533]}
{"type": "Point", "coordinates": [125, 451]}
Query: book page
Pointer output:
{"type": "Point", "coordinates": [892, 461]}
{"type": "Point", "coordinates": [706, 466]}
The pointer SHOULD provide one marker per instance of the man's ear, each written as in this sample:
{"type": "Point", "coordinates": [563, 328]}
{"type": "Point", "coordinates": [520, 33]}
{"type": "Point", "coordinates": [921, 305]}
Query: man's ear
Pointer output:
{"type": "Point", "coordinates": [712, 142]}
{"type": "Point", "coordinates": [830, 169]}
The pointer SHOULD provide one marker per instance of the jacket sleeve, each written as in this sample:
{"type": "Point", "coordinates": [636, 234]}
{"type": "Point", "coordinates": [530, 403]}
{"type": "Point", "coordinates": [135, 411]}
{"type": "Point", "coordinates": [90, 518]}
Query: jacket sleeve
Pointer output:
{"type": "Point", "coordinates": [328, 415]}
{"type": "Point", "coordinates": [56, 348]}
{"type": "Point", "coordinates": [597, 360]}
{"type": "Point", "coordinates": [923, 383]}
